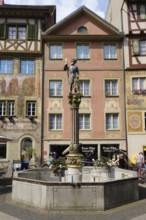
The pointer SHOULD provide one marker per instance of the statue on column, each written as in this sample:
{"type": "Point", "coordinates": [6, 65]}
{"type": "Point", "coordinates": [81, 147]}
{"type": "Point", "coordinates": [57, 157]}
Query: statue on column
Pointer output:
{"type": "Point", "coordinates": [73, 75]}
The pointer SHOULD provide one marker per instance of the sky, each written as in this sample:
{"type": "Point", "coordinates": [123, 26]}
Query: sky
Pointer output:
{"type": "Point", "coordinates": [65, 7]}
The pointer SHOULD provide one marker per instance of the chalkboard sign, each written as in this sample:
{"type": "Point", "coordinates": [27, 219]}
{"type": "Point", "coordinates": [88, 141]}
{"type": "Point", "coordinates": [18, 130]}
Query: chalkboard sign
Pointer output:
{"type": "Point", "coordinates": [89, 151]}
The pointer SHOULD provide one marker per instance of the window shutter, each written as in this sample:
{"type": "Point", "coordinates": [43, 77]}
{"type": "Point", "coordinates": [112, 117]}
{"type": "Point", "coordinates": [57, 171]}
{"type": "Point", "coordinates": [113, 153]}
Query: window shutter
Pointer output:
{"type": "Point", "coordinates": [32, 31]}
{"type": "Point", "coordinates": [2, 31]}
{"type": "Point", "coordinates": [136, 49]}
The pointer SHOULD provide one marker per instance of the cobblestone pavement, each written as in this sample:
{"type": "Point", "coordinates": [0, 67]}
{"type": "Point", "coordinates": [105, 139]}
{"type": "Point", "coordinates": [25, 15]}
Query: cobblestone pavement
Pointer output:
{"type": "Point", "coordinates": [10, 210]}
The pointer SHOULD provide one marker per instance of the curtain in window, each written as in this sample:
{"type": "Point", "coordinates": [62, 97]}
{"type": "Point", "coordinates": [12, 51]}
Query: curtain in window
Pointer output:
{"type": "Point", "coordinates": [142, 47]}
{"type": "Point", "coordinates": [56, 52]}
{"type": "Point", "coordinates": [27, 66]}
{"type": "Point", "coordinates": [134, 83]}
{"type": "Point", "coordinates": [6, 66]}
{"type": "Point", "coordinates": [83, 51]}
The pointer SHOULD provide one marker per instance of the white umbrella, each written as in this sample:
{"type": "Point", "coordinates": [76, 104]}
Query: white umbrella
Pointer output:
{"type": "Point", "coordinates": [3, 138]}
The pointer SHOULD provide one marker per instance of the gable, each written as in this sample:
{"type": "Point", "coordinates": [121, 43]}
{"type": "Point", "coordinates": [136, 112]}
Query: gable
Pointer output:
{"type": "Point", "coordinates": [86, 18]}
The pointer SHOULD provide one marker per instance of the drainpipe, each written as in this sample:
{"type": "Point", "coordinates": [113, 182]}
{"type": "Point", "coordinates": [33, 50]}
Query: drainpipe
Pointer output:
{"type": "Point", "coordinates": [42, 105]}
{"type": "Point", "coordinates": [124, 79]}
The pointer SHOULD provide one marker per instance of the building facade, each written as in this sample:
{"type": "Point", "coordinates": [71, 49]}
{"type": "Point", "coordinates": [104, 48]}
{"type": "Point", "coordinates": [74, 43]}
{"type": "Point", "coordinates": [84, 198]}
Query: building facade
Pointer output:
{"type": "Point", "coordinates": [21, 76]}
{"type": "Point", "coordinates": [97, 46]}
{"type": "Point", "coordinates": [130, 17]}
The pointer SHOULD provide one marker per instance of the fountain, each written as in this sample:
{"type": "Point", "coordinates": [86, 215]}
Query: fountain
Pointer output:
{"type": "Point", "coordinates": [82, 188]}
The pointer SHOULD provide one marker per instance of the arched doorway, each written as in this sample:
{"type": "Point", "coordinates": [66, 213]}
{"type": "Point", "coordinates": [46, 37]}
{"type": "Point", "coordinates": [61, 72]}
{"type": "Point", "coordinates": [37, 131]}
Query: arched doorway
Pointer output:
{"type": "Point", "coordinates": [26, 145]}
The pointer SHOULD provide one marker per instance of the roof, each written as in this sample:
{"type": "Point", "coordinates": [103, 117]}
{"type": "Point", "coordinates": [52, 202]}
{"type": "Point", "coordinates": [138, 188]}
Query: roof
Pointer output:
{"type": "Point", "coordinates": [82, 9]}
{"type": "Point", "coordinates": [41, 10]}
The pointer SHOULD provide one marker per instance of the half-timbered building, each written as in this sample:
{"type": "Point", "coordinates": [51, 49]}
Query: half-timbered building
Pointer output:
{"type": "Point", "coordinates": [21, 76]}
{"type": "Point", "coordinates": [130, 17]}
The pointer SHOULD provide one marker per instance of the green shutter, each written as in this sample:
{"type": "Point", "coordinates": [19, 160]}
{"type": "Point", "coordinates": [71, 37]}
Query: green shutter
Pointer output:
{"type": "Point", "coordinates": [136, 49]}
{"type": "Point", "coordinates": [2, 31]}
{"type": "Point", "coordinates": [32, 31]}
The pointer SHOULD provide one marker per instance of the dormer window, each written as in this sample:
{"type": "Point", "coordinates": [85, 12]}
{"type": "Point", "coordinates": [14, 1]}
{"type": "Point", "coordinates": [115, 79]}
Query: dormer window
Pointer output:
{"type": "Point", "coordinates": [82, 29]}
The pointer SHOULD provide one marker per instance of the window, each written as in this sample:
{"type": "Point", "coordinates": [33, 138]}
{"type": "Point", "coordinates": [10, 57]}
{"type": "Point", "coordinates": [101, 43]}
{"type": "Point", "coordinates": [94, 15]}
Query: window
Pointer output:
{"type": "Point", "coordinates": [55, 121]}
{"type": "Point", "coordinates": [17, 32]}
{"type": "Point", "coordinates": [83, 51]}
{"type": "Point", "coordinates": [142, 47]}
{"type": "Point", "coordinates": [139, 47]}
{"type": "Point", "coordinates": [27, 66]}
{"type": "Point", "coordinates": [112, 121]}
{"type": "Point", "coordinates": [6, 66]}
{"type": "Point", "coordinates": [84, 121]}
{"type": "Point", "coordinates": [3, 151]}
{"type": "Point", "coordinates": [138, 84]}
{"type": "Point", "coordinates": [31, 108]}
{"type": "Point", "coordinates": [82, 29]}
{"type": "Point", "coordinates": [111, 87]}
{"type": "Point", "coordinates": [7, 108]}
{"type": "Point", "coordinates": [110, 51]}
{"type": "Point", "coordinates": [56, 52]}
{"type": "Point", "coordinates": [85, 87]}
{"type": "Point", "coordinates": [55, 88]}
{"type": "Point", "coordinates": [142, 11]}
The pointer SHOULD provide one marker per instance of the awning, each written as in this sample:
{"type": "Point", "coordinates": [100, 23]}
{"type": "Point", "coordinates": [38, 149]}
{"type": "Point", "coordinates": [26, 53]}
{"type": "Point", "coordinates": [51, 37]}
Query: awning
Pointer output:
{"type": "Point", "coordinates": [5, 139]}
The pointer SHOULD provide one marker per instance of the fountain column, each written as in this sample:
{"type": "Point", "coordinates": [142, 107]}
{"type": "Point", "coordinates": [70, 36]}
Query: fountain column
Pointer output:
{"type": "Point", "coordinates": [74, 158]}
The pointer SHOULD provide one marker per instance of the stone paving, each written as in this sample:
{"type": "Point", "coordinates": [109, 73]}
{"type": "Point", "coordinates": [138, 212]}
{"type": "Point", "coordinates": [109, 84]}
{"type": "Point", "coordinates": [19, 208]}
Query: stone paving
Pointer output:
{"type": "Point", "coordinates": [10, 210]}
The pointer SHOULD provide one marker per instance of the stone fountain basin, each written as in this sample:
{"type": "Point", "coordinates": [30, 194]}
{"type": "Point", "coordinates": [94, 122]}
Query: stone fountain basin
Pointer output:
{"type": "Point", "coordinates": [85, 195]}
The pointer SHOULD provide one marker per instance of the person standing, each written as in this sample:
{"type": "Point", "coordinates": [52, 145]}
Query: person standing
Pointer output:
{"type": "Point", "coordinates": [140, 160]}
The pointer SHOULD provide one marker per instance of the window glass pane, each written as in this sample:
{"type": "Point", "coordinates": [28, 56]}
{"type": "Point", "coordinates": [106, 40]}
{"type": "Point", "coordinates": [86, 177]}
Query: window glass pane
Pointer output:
{"type": "Point", "coordinates": [52, 122]}
{"type": "Point", "coordinates": [11, 108]}
{"type": "Point", "coordinates": [55, 121]}
{"type": "Point", "coordinates": [108, 121]}
{"type": "Point", "coordinates": [107, 87]}
{"type": "Point", "coordinates": [12, 32]}
{"type": "Point", "coordinates": [21, 33]}
{"type": "Point", "coordinates": [111, 121]}
{"type": "Point", "coordinates": [109, 51]}
{"type": "Point", "coordinates": [6, 66]}
{"type": "Point", "coordinates": [111, 87]}
{"type": "Point", "coordinates": [142, 11]}
{"type": "Point", "coordinates": [142, 47]}
{"type": "Point", "coordinates": [84, 87]}
{"type": "Point", "coordinates": [3, 151]}
{"type": "Point", "coordinates": [81, 122]}
{"type": "Point", "coordinates": [82, 29]}
{"type": "Point", "coordinates": [83, 51]}
{"type": "Point", "coordinates": [87, 121]}
{"type": "Point", "coordinates": [55, 88]}
{"type": "Point", "coordinates": [31, 108]}
{"type": "Point", "coordinates": [27, 66]}
{"type": "Point", "coordinates": [114, 87]}
{"type": "Point", "coordinates": [142, 80]}
{"type": "Point", "coordinates": [84, 121]}
{"type": "Point", "coordinates": [2, 108]}
{"type": "Point", "coordinates": [115, 121]}
{"type": "Point", "coordinates": [56, 52]}
{"type": "Point", "coordinates": [134, 83]}
{"type": "Point", "coordinates": [58, 121]}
